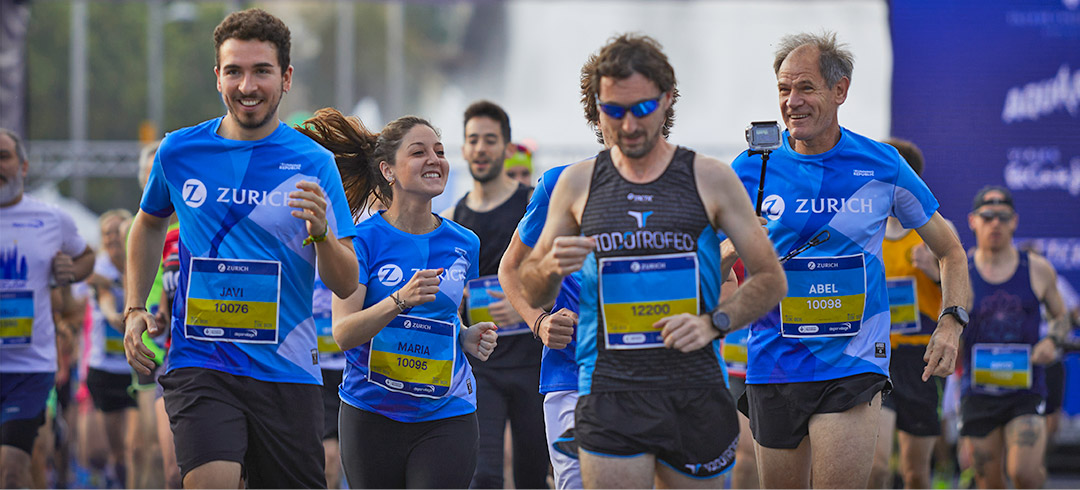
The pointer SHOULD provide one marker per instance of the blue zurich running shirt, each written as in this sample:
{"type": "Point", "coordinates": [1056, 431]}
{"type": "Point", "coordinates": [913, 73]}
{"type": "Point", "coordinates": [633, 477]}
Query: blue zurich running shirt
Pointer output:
{"type": "Point", "coordinates": [243, 300]}
{"type": "Point", "coordinates": [414, 369]}
{"type": "Point", "coordinates": [834, 321]}
{"type": "Point", "coordinates": [558, 367]}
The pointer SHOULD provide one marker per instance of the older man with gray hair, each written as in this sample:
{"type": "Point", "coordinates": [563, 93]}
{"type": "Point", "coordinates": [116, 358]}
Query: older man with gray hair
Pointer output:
{"type": "Point", "coordinates": [819, 363]}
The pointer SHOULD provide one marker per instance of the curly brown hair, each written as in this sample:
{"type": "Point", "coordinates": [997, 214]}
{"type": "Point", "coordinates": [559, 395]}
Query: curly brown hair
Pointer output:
{"type": "Point", "coordinates": [358, 152]}
{"type": "Point", "coordinates": [620, 58]}
{"type": "Point", "coordinates": [254, 24]}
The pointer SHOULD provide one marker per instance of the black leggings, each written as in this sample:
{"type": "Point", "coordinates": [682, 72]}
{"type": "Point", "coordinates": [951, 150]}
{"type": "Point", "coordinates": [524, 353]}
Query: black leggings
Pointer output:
{"type": "Point", "coordinates": [378, 452]}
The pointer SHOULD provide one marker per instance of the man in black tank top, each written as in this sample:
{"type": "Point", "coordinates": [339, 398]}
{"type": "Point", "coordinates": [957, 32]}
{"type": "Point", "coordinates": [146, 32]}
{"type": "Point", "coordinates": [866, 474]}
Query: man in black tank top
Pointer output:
{"type": "Point", "coordinates": [653, 400]}
{"type": "Point", "coordinates": [508, 384]}
{"type": "Point", "coordinates": [1003, 391]}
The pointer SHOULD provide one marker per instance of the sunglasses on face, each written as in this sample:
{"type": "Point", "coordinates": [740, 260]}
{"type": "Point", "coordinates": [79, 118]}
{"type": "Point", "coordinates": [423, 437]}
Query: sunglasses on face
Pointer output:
{"type": "Point", "coordinates": [1002, 216]}
{"type": "Point", "coordinates": [638, 109]}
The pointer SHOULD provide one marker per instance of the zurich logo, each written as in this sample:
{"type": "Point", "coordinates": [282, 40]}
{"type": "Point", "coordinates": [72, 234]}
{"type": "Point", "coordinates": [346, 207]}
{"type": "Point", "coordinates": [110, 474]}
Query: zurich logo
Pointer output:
{"type": "Point", "coordinates": [390, 275]}
{"type": "Point", "coordinates": [635, 267]}
{"type": "Point", "coordinates": [408, 323]}
{"type": "Point", "coordinates": [194, 193]}
{"type": "Point", "coordinates": [811, 265]}
{"type": "Point", "coordinates": [221, 267]}
{"type": "Point", "coordinates": [772, 207]}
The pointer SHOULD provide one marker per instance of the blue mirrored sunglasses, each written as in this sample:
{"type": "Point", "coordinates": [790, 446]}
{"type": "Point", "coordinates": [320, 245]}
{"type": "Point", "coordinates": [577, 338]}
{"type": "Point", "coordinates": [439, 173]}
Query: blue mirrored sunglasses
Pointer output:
{"type": "Point", "coordinates": [638, 109]}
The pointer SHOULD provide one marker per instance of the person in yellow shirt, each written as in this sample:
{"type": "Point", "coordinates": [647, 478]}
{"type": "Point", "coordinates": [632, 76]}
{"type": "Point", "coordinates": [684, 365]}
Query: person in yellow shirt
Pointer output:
{"type": "Point", "coordinates": [911, 410]}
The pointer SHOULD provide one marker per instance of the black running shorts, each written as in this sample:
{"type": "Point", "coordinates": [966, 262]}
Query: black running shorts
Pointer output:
{"type": "Point", "coordinates": [331, 379]}
{"type": "Point", "coordinates": [109, 391]}
{"type": "Point", "coordinates": [917, 404]}
{"type": "Point", "coordinates": [780, 413]}
{"type": "Point", "coordinates": [981, 414]}
{"type": "Point", "coordinates": [694, 431]}
{"type": "Point", "coordinates": [272, 429]}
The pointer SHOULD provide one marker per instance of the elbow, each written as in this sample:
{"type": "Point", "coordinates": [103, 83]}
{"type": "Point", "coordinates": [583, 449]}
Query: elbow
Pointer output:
{"type": "Point", "coordinates": [345, 290]}
{"type": "Point", "coordinates": [342, 338]}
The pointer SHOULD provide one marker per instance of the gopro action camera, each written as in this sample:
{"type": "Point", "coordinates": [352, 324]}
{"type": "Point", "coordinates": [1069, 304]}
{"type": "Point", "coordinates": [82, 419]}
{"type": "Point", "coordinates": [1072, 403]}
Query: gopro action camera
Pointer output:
{"type": "Point", "coordinates": [763, 135]}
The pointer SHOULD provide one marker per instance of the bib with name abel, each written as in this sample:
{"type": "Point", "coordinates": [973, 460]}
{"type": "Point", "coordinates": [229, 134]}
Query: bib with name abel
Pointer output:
{"type": "Point", "coordinates": [1001, 367]}
{"type": "Point", "coordinates": [826, 296]}
{"type": "Point", "coordinates": [233, 300]}
{"type": "Point", "coordinates": [480, 300]}
{"type": "Point", "coordinates": [636, 292]}
{"type": "Point", "coordinates": [903, 305]}
{"type": "Point", "coordinates": [16, 318]}
{"type": "Point", "coordinates": [413, 355]}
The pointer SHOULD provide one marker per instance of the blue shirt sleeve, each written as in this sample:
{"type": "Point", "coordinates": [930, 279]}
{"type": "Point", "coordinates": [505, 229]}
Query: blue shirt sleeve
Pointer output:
{"type": "Point", "coordinates": [913, 203]}
{"type": "Point", "coordinates": [337, 209]}
{"type": "Point", "coordinates": [362, 258]}
{"type": "Point", "coordinates": [155, 198]}
{"type": "Point", "coordinates": [532, 223]}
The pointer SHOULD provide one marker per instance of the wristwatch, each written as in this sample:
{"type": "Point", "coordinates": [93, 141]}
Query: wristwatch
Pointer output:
{"type": "Point", "coordinates": [957, 312]}
{"type": "Point", "coordinates": [721, 321]}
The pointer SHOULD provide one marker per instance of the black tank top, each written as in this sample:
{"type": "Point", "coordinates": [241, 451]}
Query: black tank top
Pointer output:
{"type": "Point", "coordinates": [664, 216]}
{"type": "Point", "coordinates": [495, 229]}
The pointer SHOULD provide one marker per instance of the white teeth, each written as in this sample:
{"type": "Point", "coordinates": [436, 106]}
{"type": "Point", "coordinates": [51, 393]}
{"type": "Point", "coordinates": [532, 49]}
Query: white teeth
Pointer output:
{"type": "Point", "coordinates": [430, 175]}
{"type": "Point", "coordinates": [249, 102]}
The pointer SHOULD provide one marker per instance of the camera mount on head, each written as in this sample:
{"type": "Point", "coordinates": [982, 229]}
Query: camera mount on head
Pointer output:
{"type": "Point", "coordinates": [763, 137]}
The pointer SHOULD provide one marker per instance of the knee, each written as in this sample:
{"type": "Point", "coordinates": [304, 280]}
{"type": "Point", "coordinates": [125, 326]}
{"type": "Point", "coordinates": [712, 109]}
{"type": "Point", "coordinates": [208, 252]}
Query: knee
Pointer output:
{"type": "Point", "coordinates": [1032, 476]}
{"type": "Point", "coordinates": [879, 473]}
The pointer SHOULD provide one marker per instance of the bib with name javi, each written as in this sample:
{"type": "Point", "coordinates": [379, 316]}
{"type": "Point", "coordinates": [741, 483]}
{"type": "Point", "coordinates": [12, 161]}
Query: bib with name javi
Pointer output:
{"type": "Point", "coordinates": [826, 296]}
{"type": "Point", "coordinates": [16, 318]}
{"type": "Point", "coordinates": [233, 300]}
{"type": "Point", "coordinates": [413, 355]}
{"type": "Point", "coordinates": [903, 305]}
{"type": "Point", "coordinates": [480, 299]}
{"type": "Point", "coordinates": [1001, 367]}
{"type": "Point", "coordinates": [636, 292]}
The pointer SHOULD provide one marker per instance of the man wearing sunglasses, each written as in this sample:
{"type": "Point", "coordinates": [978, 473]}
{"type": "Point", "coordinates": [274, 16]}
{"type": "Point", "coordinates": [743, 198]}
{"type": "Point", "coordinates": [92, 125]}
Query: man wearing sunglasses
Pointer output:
{"type": "Point", "coordinates": [818, 364]}
{"type": "Point", "coordinates": [640, 222]}
{"type": "Point", "coordinates": [1003, 390]}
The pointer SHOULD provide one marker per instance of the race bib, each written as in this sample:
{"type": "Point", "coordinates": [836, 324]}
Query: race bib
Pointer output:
{"type": "Point", "coordinates": [233, 300]}
{"type": "Point", "coordinates": [413, 355]}
{"type": "Point", "coordinates": [826, 296]}
{"type": "Point", "coordinates": [114, 341]}
{"type": "Point", "coordinates": [734, 350]}
{"type": "Point", "coordinates": [636, 292]}
{"type": "Point", "coordinates": [16, 318]}
{"type": "Point", "coordinates": [324, 328]}
{"type": "Point", "coordinates": [480, 299]}
{"type": "Point", "coordinates": [1001, 367]}
{"type": "Point", "coordinates": [903, 305]}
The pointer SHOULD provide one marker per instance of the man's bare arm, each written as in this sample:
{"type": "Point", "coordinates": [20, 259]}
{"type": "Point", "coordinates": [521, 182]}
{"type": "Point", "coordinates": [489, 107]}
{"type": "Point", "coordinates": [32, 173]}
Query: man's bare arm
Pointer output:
{"type": "Point", "coordinates": [145, 241]}
{"type": "Point", "coordinates": [560, 251]}
{"type": "Point", "coordinates": [955, 291]}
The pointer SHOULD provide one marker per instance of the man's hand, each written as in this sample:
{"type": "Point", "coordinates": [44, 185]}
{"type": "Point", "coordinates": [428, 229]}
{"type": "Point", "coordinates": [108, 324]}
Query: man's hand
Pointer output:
{"type": "Point", "coordinates": [138, 355]}
{"type": "Point", "coordinates": [480, 340]}
{"type": "Point", "coordinates": [685, 332]}
{"type": "Point", "coordinates": [568, 254]}
{"type": "Point", "coordinates": [63, 269]}
{"type": "Point", "coordinates": [1044, 352]}
{"type": "Point", "coordinates": [557, 329]}
{"type": "Point", "coordinates": [312, 207]}
{"type": "Point", "coordinates": [502, 311]}
{"type": "Point", "coordinates": [940, 357]}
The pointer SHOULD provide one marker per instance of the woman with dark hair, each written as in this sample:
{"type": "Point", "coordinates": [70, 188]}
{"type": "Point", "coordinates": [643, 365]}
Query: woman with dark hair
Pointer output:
{"type": "Point", "coordinates": [408, 412]}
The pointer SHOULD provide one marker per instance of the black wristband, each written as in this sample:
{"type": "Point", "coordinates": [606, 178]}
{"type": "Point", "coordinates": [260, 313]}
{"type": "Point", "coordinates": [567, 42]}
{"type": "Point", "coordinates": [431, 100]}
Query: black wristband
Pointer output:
{"type": "Point", "coordinates": [536, 324]}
